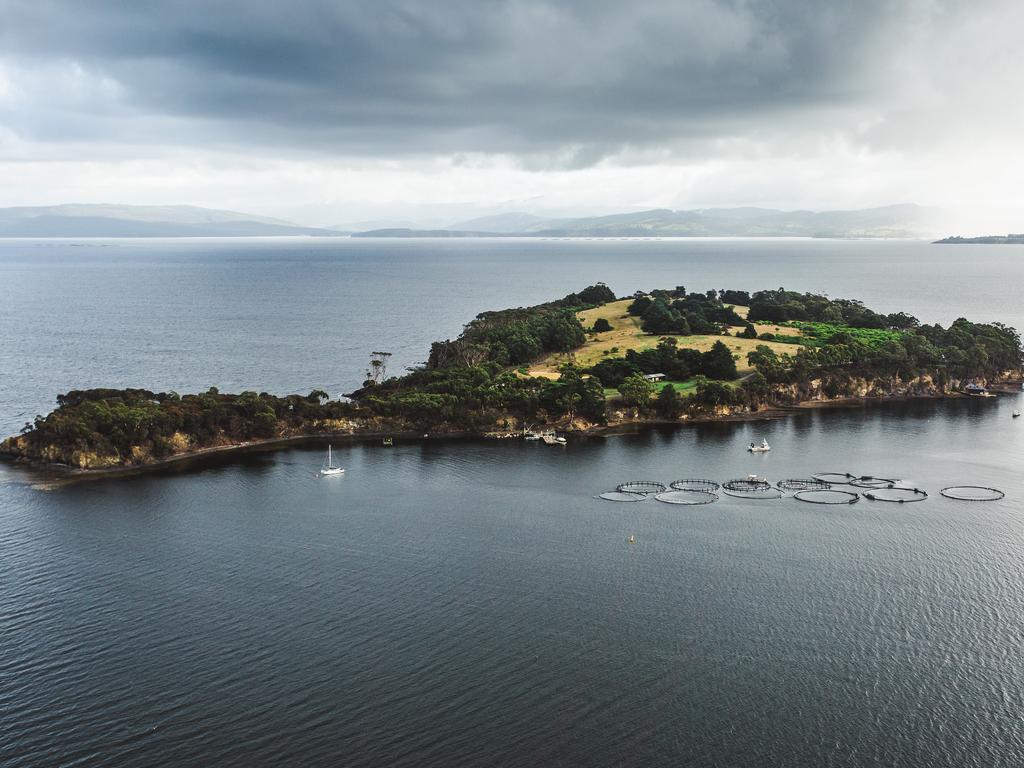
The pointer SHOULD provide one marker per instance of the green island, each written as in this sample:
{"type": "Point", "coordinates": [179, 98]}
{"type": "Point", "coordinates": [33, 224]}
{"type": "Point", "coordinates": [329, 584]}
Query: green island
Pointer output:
{"type": "Point", "coordinates": [587, 362]}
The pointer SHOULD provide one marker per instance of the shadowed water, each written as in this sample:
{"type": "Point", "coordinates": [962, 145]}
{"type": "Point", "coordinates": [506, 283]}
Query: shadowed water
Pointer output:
{"type": "Point", "coordinates": [470, 603]}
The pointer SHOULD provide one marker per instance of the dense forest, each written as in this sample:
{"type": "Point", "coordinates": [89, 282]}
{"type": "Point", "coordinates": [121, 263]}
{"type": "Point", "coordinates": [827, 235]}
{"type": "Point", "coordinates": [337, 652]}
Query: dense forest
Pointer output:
{"type": "Point", "coordinates": [481, 382]}
{"type": "Point", "coordinates": [139, 424]}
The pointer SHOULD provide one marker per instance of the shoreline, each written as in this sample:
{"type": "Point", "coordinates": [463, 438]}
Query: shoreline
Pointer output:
{"type": "Point", "coordinates": [59, 474]}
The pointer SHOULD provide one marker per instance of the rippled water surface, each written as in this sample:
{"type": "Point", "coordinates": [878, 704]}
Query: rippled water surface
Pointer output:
{"type": "Point", "coordinates": [469, 603]}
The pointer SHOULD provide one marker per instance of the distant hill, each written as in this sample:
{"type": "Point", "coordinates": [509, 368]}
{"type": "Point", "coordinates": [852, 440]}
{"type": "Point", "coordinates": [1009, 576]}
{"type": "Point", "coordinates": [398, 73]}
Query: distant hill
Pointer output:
{"type": "Point", "coordinates": [889, 221]}
{"type": "Point", "coordinates": [984, 240]}
{"type": "Point", "coordinates": [502, 222]}
{"type": "Point", "coordinates": [142, 221]}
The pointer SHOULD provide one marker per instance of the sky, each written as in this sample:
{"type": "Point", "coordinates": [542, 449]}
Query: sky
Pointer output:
{"type": "Point", "coordinates": [333, 111]}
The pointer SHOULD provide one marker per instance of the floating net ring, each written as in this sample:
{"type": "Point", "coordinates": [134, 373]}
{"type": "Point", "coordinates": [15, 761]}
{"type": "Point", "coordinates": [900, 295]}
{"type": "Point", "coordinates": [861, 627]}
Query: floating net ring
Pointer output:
{"type": "Point", "coordinates": [687, 497]}
{"type": "Point", "coordinates": [835, 478]}
{"type": "Point", "coordinates": [767, 492]}
{"type": "Point", "coordinates": [802, 484]}
{"type": "Point", "coordinates": [827, 496]}
{"type": "Point", "coordinates": [747, 484]}
{"type": "Point", "coordinates": [867, 481]}
{"type": "Point", "coordinates": [641, 486]}
{"type": "Point", "coordinates": [622, 496]}
{"type": "Point", "coordinates": [972, 493]}
{"type": "Point", "coordinates": [707, 486]}
{"type": "Point", "coordinates": [897, 494]}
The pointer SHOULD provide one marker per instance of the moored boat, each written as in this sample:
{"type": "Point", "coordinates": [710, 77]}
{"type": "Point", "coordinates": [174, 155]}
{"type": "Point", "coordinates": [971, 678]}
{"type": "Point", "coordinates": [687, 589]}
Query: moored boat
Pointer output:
{"type": "Point", "coordinates": [328, 468]}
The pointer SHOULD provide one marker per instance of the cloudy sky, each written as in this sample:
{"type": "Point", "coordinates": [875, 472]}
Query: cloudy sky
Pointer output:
{"type": "Point", "coordinates": [330, 111]}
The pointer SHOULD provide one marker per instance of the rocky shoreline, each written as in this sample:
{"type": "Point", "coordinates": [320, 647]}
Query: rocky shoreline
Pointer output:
{"type": "Point", "coordinates": [621, 423]}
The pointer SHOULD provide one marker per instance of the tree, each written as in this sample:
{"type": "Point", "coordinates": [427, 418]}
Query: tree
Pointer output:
{"type": "Point", "coordinates": [639, 305]}
{"type": "Point", "coordinates": [636, 390]}
{"type": "Point", "coordinates": [614, 371]}
{"type": "Point", "coordinates": [661, 318]}
{"type": "Point", "coordinates": [767, 363]}
{"type": "Point", "coordinates": [901, 321]}
{"type": "Point", "coordinates": [734, 297]}
{"type": "Point", "coordinates": [599, 293]}
{"type": "Point", "coordinates": [601, 325]}
{"type": "Point", "coordinates": [378, 369]}
{"type": "Point", "coordinates": [717, 363]}
{"type": "Point", "coordinates": [748, 332]}
{"type": "Point", "coordinates": [668, 404]}
{"type": "Point", "coordinates": [714, 393]}
{"type": "Point", "coordinates": [562, 332]}
{"type": "Point", "coordinates": [757, 388]}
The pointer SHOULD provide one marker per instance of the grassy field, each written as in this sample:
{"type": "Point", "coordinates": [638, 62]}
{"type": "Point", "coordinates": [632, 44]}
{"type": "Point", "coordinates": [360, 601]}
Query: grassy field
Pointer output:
{"type": "Point", "coordinates": [626, 334]}
{"type": "Point", "coordinates": [682, 387]}
{"type": "Point", "coordinates": [816, 334]}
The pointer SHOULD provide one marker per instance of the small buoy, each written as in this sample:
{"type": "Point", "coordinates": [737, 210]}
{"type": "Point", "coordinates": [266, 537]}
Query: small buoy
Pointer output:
{"type": "Point", "coordinates": [632, 539]}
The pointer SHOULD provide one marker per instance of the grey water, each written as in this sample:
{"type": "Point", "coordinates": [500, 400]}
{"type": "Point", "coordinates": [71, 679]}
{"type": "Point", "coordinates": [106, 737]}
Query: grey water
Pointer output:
{"type": "Point", "coordinates": [472, 603]}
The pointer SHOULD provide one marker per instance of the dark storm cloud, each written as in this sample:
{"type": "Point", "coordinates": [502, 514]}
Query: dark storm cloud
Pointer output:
{"type": "Point", "coordinates": [575, 79]}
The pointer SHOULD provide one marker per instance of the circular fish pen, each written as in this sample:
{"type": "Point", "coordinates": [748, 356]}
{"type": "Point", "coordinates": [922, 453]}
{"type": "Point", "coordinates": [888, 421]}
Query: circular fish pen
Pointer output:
{"type": "Point", "coordinates": [765, 493]}
{"type": "Point", "coordinates": [827, 496]}
{"type": "Point", "coordinates": [867, 481]}
{"type": "Point", "coordinates": [834, 478]}
{"type": "Point", "coordinates": [687, 497]}
{"type": "Point", "coordinates": [972, 493]}
{"type": "Point", "coordinates": [747, 484]}
{"type": "Point", "coordinates": [705, 486]}
{"type": "Point", "coordinates": [621, 496]}
{"type": "Point", "coordinates": [802, 484]}
{"type": "Point", "coordinates": [896, 494]}
{"type": "Point", "coordinates": [644, 487]}
{"type": "Point", "coordinates": [750, 488]}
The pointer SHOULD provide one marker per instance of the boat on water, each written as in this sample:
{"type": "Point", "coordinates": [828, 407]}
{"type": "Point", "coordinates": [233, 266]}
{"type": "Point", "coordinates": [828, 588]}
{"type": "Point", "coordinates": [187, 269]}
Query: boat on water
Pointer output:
{"type": "Point", "coordinates": [1016, 414]}
{"type": "Point", "coordinates": [328, 468]}
{"type": "Point", "coordinates": [976, 390]}
{"type": "Point", "coordinates": [763, 447]}
{"type": "Point", "coordinates": [531, 436]}
{"type": "Point", "coordinates": [550, 438]}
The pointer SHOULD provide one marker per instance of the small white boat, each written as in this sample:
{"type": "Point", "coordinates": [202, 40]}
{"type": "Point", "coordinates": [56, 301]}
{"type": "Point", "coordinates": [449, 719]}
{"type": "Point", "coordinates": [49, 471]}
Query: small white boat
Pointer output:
{"type": "Point", "coordinates": [762, 448]}
{"type": "Point", "coordinates": [328, 468]}
{"type": "Point", "coordinates": [531, 436]}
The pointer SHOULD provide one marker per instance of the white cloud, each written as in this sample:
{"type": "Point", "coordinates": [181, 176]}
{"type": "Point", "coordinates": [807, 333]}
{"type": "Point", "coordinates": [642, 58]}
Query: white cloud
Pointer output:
{"type": "Point", "coordinates": [378, 109]}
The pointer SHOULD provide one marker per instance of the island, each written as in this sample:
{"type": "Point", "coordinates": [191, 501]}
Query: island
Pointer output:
{"type": "Point", "coordinates": [1010, 239]}
{"type": "Point", "coordinates": [587, 362]}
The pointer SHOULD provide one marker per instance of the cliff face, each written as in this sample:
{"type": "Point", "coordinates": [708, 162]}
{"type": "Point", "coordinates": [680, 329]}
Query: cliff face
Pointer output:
{"type": "Point", "coordinates": [836, 388]}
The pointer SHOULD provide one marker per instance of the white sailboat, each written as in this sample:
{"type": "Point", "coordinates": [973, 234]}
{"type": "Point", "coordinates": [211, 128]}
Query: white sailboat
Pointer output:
{"type": "Point", "coordinates": [328, 468]}
{"type": "Point", "coordinates": [762, 448]}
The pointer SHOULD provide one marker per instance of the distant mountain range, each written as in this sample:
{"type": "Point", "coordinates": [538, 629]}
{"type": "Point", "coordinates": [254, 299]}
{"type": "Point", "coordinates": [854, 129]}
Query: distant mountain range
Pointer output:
{"type": "Point", "coordinates": [890, 221]}
{"type": "Point", "coordinates": [192, 221]}
{"type": "Point", "coordinates": [142, 221]}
